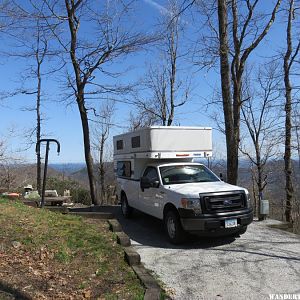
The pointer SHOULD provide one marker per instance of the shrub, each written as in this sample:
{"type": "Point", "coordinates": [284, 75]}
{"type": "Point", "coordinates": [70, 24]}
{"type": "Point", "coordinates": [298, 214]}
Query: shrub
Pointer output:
{"type": "Point", "coordinates": [79, 194]}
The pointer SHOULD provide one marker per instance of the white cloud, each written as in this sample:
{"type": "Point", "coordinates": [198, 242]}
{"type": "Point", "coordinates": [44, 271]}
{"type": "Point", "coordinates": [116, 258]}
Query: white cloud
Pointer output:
{"type": "Point", "coordinates": [157, 6]}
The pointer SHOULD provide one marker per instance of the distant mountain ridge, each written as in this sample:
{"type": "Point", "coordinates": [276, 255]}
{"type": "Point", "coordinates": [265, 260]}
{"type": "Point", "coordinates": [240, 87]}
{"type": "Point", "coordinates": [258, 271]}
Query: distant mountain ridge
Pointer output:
{"type": "Point", "coordinates": [68, 168]}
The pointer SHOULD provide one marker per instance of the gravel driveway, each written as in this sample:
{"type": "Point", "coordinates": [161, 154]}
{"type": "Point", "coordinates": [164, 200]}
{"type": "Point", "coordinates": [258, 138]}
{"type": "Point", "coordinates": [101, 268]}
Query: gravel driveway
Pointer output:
{"type": "Point", "coordinates": [261, 262]}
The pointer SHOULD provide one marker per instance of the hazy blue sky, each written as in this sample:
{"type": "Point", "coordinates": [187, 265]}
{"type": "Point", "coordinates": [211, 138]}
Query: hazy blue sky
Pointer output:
{"type": "Point", "coordinates": [62, 121]}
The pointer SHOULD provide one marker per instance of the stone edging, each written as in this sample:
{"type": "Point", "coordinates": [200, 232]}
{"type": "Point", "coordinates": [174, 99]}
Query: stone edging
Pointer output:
{"type": "Point", "coordinates": [153, 290]}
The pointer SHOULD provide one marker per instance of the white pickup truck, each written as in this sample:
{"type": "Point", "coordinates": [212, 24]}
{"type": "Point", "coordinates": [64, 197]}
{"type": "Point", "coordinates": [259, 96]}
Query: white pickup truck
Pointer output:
{"type": "Point", "coordinates": [156, 175]}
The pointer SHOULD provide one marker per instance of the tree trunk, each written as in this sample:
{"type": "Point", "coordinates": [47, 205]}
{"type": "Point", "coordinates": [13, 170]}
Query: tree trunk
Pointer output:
{"type": "Point", "coordinates": [80, 85]}
{"type": "Point", "coordinates": [232, 158]}
{"type": "Point", "coordinates": [259, 182]}
{"type": "Point", "coordinates": [288, 119]}
{"type": "Point", "coordinates": [298, 144]}
{"type": "Point", "coordinates": [87, 146]}
{"type": "Point", "coordinates": [240, 56]}
{"type": "Point", "coordinates": [253, 181]}
{"type": "Point", "coordinates": [172, 85]}
{"type": "Point", "coordinates": [38, 132]}
{"type": "Point", "coordinates": [236, 130]}
{"type": "Point", "coordinates": [287, 153]}
{"type": "Point", "coordinates": [101, 168]}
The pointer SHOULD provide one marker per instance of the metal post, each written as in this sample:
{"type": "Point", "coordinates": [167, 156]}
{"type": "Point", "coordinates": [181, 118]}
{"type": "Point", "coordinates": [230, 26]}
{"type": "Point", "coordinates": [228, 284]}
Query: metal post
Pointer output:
{"type": "Point", "coordinates": [208, 162]}
{"type": "Point", "coordinates": [45, 175]}
{"type": "Point", "coordinates": [37, 150]}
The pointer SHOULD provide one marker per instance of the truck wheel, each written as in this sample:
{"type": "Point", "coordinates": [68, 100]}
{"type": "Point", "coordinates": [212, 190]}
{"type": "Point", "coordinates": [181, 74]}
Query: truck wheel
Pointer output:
{"type": "Point", "coordinates": [242, 230]}
{"type": "Point", "coordinates": [173, 227]}
{"type": "Point", "coordinates": [126, 209]}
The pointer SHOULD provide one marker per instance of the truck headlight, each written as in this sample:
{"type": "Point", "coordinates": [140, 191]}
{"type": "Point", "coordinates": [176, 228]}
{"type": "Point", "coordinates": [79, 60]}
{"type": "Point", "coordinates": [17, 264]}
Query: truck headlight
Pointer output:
{"type": "Point", "coordinates": [249, 203]}
{"type": "Point", "coordinates": [191, 203]}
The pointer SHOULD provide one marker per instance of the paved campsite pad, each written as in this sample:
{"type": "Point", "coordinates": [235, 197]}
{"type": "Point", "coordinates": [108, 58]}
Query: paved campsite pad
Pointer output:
{"type": "Point", "coordinates": [263, 261]}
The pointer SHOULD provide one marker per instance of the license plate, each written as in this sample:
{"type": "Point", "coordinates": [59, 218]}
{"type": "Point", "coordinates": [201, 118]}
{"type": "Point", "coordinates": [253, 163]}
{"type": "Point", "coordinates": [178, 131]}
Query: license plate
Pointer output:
{"type": "Point", "coordinates": [230, 223]}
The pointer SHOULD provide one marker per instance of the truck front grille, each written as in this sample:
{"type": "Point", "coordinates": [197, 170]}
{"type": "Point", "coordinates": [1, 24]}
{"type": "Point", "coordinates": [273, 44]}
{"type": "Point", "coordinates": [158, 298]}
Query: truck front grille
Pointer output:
{"type": "Point", "coordinates": [222, 202]}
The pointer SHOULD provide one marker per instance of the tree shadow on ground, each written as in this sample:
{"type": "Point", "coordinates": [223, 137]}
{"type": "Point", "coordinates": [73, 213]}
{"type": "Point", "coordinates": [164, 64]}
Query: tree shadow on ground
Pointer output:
{"type": "Point", "coordinates": [148, 231]}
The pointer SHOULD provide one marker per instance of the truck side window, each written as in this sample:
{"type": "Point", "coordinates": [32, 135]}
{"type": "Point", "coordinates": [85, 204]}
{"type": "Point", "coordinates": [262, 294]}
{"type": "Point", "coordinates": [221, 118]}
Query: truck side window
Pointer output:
{"type": "Point", "coordinates": [124, 168]}
{"type": "Point", "coordinates": [151, 173]}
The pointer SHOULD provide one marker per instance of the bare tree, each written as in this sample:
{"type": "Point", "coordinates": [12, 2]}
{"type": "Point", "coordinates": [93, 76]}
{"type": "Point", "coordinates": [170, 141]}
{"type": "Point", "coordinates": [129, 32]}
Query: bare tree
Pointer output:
{"type": "Point", "coordinates": [142, 118]}
{"type": "Point", "coordinates": [38, 50]}
{"type": "Point", "coordinates": [166, 89]}
{"type": "Point", "coordinates": [101, 134]}
{"type": "Point", "coordinates": [40, 53]}
{"type": "Point", "coordinates": [8, 16]}
{"type": "Point", "coordinates": [260, 117]}
{"type": "Point", "coordinates": [240, 28]}
{"type": "Point", "coordinates": [2, 150]}
{"type": "Point", "coordinates": [7, 177]}
{"type": "Point", "coordinates": [31, 38]}
{"type": "Point", "coordinates": [296, 122]}
{"type": "Point", "coordinates": [290, 57]}
{"type": "Point", "coordinates": [8, 159]}
{"type": "Point", "coordinates": [90, 53]}
{"type": "Point", "coordinates": [232, 157]}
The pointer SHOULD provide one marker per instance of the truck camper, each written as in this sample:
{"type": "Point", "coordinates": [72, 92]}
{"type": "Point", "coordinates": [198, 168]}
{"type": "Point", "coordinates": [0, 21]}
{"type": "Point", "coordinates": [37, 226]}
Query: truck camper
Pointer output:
{"type": "Point", "coordinates": [157, 174]}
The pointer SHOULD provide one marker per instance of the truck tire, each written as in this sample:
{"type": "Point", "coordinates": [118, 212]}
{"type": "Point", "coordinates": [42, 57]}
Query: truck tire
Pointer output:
{"type": "Point", "coordinates": [125, 208]}
{"type": "Point", "coordinates": [242, 230]}
{"type": "Point", "coordinates": [173, 227]}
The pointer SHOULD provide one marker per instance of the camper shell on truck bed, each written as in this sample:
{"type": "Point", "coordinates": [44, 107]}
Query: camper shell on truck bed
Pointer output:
{"type": "Point", "coordinates": [161, 142]}
{"type": "Point", "coordinates": [157, 175]}
{"type": "Point", "coordinates": [172, 143]}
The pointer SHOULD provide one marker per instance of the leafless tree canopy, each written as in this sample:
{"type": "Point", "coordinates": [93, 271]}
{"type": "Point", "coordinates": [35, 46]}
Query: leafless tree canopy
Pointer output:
{"type": "Point", "coordinates": [166, 86]}
{"type": "Point", "coordinates": [236, 29]}
{"type": "Point", "coordinates": [290, 56]}
{"type": "Point", "coordinates": [260, 119]}
{"type": "Point", "coordinates": [83, 46]}
{"type": "Point", "coordinates": [87, 56]}
{"type": "Point", "coordinates": [101, 134]}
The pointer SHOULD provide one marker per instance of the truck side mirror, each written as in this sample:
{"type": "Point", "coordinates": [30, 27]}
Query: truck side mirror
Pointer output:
{"type": "Point", "coordinates": [221, 177]}
{"type": "Point", "coordinates": [155, 184]}
{"type": "Point", "coordinates": [145, 183]}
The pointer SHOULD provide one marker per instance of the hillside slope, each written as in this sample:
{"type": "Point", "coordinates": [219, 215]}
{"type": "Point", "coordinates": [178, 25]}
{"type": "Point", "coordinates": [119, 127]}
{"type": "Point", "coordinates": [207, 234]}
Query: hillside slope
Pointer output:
{"type": "Point", "coordinates": [52, 256]}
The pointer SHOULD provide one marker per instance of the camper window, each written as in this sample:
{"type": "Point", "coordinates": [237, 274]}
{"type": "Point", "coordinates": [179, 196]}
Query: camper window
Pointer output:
{"type": "Point", "coordinates": [119, 144]}
{"type": "Point", "coordinates": [135, 142]}
{"type": "Point", "coordinates": [124, 169]}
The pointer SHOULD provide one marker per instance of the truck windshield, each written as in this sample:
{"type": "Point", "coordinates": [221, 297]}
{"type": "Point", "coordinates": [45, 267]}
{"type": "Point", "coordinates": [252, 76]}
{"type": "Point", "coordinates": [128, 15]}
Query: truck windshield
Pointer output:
{"type": "Point", "coordinates": [186, 174]}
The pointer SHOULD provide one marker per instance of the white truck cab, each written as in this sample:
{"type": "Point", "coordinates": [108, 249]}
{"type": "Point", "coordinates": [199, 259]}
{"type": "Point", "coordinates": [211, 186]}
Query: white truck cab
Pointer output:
{"type": "Point", "coordinates": [156, 175]}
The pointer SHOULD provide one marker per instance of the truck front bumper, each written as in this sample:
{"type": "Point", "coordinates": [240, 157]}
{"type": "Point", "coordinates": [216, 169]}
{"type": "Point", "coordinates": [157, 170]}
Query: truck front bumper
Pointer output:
{"type": "Point", "coordinates": [215, 222]}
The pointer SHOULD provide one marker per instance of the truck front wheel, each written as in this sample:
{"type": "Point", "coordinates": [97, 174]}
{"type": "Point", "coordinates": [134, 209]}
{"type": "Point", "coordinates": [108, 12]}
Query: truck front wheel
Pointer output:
{"type": "Point", "coordinates": [173, 227]}
{"type": "Point", "coordinates": [126, 209]}
{"type": "Point", "coordinates": [242, 230]}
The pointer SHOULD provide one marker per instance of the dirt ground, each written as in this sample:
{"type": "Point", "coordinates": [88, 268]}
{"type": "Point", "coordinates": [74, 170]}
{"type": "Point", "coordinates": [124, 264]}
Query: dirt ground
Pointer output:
{"type": "Point", "coordinates": [69, 258]}
{"type": "Point", "coordinates": [39, 276]}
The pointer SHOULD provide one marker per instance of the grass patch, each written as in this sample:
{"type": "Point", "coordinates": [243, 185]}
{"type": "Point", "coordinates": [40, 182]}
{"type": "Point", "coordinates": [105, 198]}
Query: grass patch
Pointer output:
{"type": "Point", "coordinates": [60, 254]}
